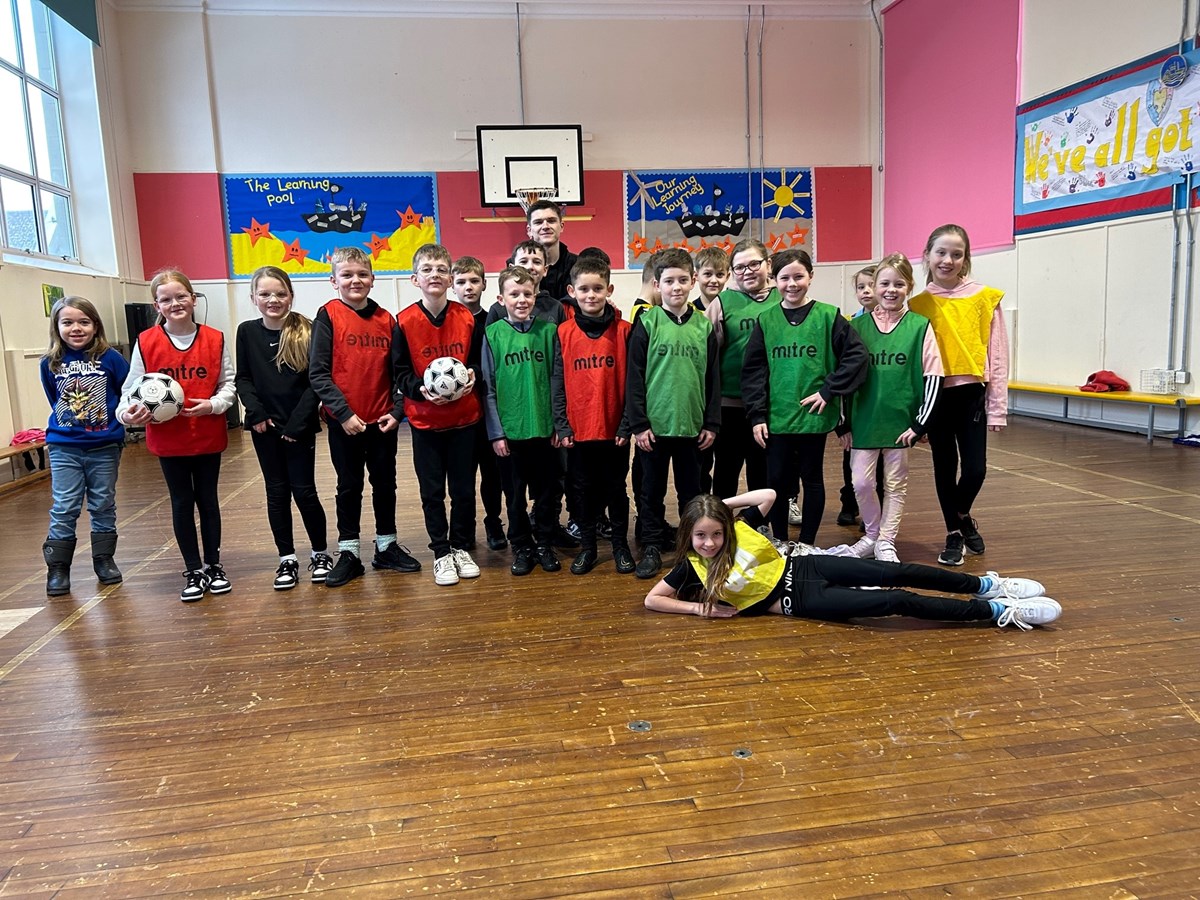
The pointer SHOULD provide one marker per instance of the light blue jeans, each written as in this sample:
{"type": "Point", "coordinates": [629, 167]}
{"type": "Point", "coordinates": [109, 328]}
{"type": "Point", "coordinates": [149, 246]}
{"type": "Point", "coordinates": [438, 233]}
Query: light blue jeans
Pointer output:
{"type": "Point", "coordinates": [74, 472]}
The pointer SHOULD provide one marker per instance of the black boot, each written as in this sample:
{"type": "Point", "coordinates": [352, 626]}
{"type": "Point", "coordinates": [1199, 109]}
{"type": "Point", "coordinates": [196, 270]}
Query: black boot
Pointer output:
{"type": "Point", "coordinates": [104, 545]}
{"type": "Point", "coordinates": [58, 566]}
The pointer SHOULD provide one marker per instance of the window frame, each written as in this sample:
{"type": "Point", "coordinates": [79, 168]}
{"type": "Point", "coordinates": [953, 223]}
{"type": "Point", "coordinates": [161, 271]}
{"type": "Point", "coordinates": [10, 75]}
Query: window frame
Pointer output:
{"type": "Point", "coordinates": [37, 182]}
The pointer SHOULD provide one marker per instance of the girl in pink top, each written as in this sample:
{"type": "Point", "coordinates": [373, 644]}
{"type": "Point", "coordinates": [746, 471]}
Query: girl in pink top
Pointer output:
{"type": "Point", "coordinates": [969, 325]}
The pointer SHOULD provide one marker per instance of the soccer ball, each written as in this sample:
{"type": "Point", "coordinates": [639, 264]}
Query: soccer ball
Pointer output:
{"type": "Point", "coordinates": [159, 393]}
{"type": "Point", "coordinates": [446, 377]}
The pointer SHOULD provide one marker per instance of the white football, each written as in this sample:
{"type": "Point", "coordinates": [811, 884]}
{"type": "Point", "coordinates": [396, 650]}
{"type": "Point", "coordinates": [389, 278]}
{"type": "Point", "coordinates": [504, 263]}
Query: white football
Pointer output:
{"type": "Point", "coordinates": [159, 393]}
{"type": "Point", "coordinates": [447, 378]}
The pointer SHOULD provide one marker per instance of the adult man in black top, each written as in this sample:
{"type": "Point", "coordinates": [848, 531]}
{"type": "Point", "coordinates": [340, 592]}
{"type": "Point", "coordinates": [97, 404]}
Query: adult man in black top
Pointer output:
{"type": "Point", "coordinates": [544, 223]}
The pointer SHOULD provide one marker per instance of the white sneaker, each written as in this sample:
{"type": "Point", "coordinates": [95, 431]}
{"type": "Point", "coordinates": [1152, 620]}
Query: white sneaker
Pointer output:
{"type": "Point", "coordinates": [1011, 589]}
{"type": "Point", "coordinates": [444, 572]}
{"type": "Point", "coordinates": [863, 548]}
{"type": "Point", "coordinates": [464, 565]}
{"type": "Point", "coordinates": [885, 551]}
{"type": "Point", "coordinates": [794, 517]}
{"type": "Point", "coordinates": [1028, 612]}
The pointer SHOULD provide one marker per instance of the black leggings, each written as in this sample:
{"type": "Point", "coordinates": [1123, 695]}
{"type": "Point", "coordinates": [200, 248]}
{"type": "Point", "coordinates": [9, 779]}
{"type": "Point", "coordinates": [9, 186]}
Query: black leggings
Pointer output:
{"type": "Point", "coordinates": [734, 446]}
{"type": "Point", "coordinates": [288, 469]}
{"type": "Point", "coordinates": [959, 429]}
{"type": "Point", "coordinates": [829, 588]}
{"type": "Point", "coordinates": [192, 484]}
{"type": "Point", "coordinates": [792, 460]}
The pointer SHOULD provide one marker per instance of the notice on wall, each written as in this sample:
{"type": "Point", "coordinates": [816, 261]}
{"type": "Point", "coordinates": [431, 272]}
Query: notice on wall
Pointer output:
{"type": "Point", "coordinates": [1126, 135]}
{"type": "Point", "coordinates": [716, 207]}
{"type": "Point", "coordinates": [296, 221]}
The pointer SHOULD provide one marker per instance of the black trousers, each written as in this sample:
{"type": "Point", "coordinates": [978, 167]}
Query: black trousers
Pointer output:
{"type": "Point", "coordinates": [826, 588]}
{"type": "Point", "coordinates": [289, 472]}
{"type": "Point", "coordinates": [794, 460]}
{"type": "Point", "coordinates": [735, 446]}
{"type": "Point", "coordinates": [376, 451]}
{"type": "Point", "coordinates": [958, 433]}
{"type": "Point", "coordinates": [490, 484]}
{"type": "Point", "coordinates": [537, 478]}
{"type": "Point", "coordinates": [192, 485]}
{"type": "Point", "coordinates": [446, 460]}
{"type": "Point", "coordinates": [596, 473]}
{"type": "Point", "coordinates": [681, 454]}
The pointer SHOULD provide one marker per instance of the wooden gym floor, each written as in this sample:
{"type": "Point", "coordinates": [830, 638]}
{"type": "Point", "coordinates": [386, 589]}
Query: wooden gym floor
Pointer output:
{"type": "Point", "coordinates": [393, 738]}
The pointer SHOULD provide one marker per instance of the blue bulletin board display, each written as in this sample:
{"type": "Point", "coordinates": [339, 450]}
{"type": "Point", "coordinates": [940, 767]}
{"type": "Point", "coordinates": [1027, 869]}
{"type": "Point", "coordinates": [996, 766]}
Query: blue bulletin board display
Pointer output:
{"type": "Point", "coordinates": [296, 221]}
{"type": "Point", "coordinates": [716, 208]}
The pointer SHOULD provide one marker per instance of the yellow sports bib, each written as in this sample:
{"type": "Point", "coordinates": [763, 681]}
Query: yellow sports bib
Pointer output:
{"type": "Point", "coordinates": [757, 568]}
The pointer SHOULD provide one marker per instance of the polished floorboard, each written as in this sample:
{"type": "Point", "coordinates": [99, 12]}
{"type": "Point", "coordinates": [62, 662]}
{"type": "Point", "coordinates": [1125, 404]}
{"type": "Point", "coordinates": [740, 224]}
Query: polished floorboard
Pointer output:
{"type": "Point", "coordinates": [393, 738]}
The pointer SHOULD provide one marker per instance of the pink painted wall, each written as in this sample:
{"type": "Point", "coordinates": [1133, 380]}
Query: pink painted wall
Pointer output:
{"type": "Point", "coordinates": [951, 86]}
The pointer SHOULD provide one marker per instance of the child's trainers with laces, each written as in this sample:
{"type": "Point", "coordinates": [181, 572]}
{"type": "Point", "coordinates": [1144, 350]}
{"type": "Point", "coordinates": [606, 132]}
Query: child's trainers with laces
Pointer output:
{"type": "Point", "coordinates": [444, 572]}
{"type": "Point", "coordinates": [953, 554]}
{"type": "Point", "coordinates": [464, 565]}
{"type": "Point", "coordinates": [972, 539]}
{"type": "Point", "coordinates": [795, 517]}
{"type": "Point", "coordinates": [320, 565]}
{"type": "Point", "coordinates": [395, 557]}
{"type": "Point", "coordinates": [287, 574]}
{"type": "Point", "coordinates": [195, 586]}
{"type": "Point", "coordinates": [1028, 612]}
{"type": "Point", "coordinates": [994, 588]}
{"type": "Point", "coordinates": [218, 581]}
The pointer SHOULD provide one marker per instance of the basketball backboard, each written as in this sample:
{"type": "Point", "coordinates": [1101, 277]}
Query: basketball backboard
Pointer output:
{"type": "Point", "coordinates": [512, 157]}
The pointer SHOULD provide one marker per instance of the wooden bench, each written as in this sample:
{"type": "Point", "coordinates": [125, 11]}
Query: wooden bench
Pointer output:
{"type": "Point", "coordinates": [15, 454]}
{"type": "Point", "coordinates": [1067, 392]}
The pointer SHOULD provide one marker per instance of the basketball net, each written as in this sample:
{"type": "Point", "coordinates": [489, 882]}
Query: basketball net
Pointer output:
{"type": "Point", "coordinates": [531, 195]}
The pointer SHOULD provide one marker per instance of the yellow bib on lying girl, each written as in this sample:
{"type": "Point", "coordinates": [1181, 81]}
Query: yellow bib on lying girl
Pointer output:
{"type": "Point", "coordinates": [757, 568]}
{"type": "Point", "coordinates": [962, 326]}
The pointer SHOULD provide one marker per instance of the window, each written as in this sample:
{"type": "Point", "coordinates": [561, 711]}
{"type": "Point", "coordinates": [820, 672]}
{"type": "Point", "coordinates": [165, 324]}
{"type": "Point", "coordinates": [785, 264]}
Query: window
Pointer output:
{"type": "Point", "coordinates": [35, 196]}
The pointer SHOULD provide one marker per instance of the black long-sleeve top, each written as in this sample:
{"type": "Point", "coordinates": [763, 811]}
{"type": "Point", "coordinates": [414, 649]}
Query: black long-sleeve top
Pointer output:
{"type": "Point", "coordinates": [282, 395]}
{"type": "Point", "coordinates": [636, 417]}
{"type": "Point", "coordinates": [846, 377]}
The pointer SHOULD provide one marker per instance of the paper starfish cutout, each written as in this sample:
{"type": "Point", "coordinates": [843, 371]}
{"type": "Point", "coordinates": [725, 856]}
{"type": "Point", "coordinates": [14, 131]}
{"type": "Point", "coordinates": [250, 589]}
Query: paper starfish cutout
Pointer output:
{"type": "Point", "coordinates": [408, 218]}
{"type": "Point", "coordinates": [798, 235]}
{"type": "Point", "coordinates": [637, 245]}
{"type": "Point", "coordinates": [776, 242]}
{"type": "Point", "coordinates": [257, 231]}
{"type": "Point", "coordinates": [294, 251]}
{"type": "Point", "coordinates": [377, 245]}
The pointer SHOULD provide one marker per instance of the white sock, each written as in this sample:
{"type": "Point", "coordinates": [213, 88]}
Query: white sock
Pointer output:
{"type": "Point", "coordinates": [383, 541]}
{"type": "Point", "coordinates": [291, 557]}
{"type": "Point", "coordinates": [348, 547]}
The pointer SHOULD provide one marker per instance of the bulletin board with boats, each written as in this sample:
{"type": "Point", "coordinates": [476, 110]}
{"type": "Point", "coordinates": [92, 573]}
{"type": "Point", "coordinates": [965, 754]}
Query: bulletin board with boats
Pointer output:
{"type": "Point", "coordinates": [716, 207]}
{"type": "Point", "coordinates": [296, 221]}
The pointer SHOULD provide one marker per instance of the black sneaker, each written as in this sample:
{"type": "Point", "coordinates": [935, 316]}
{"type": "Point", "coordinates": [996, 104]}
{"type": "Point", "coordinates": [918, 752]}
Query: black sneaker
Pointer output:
{"type": "Point", "coordinates": [650, 564]}
{"type": "Point", "coordinates": [565, 537]}
{"type": "Point", "coordinates": [971, 537]}
{"type": "Point", "coordinates": [195, 586]}
{"type": "Point", "coordinates": [584, 562]}
{"type": "Point", "coordinates": [847, 518]}
{"type": "Point", "coordinates": [623, 559]}
{"type": "Point", "coordinates": [604, 528]}
{"type": "Point", "coordinates": [348, 567]}
{"type": "Point", "coordinates": [953, 554]}
{"type": "Point", "coordinates": [218, 581]}
{"type": "Point", "coordinates": [396, 558]}
{"type": "Point", "coordinates": [547, 559]}
{"type": "Point", "coordinates": [495, 535]}
{"type": "Point", "coordinates": [287, 575]}
{"type": "Point", "coordinates": [524, 561]}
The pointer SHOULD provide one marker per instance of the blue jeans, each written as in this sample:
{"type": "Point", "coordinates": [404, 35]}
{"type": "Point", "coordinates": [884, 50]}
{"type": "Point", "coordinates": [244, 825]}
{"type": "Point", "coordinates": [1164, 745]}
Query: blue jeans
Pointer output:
{"type": "Point", "coordinates": [74, 472]}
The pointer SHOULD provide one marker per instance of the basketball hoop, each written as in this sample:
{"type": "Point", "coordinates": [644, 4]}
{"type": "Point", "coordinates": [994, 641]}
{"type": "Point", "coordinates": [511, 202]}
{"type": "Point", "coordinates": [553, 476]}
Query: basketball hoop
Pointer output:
{"type": "Point", "coordinates": [531, 195]}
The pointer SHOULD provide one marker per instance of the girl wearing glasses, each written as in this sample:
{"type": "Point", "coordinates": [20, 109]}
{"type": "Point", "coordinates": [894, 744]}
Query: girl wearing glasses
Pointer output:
{"type": "Point", "coordinates": [281, 416]}
{"type": "Point", "coordinates": [188, 446]}
{"type": "Point", "coordinates": [733, 314]}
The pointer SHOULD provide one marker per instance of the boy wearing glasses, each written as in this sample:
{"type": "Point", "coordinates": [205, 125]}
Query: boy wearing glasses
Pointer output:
{"type": "Point", "coordinates": [733, 314]}
{"type": "Point", "coordinates": [443, 431]}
